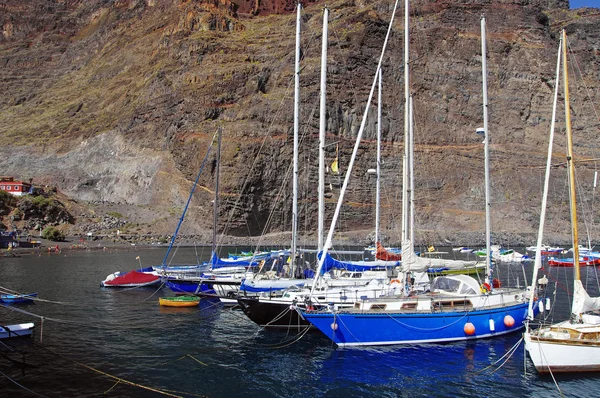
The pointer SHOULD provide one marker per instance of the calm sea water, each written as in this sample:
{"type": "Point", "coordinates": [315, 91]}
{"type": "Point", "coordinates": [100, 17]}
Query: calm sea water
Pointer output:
{"type": "Point", "coordinates": [95, 341]}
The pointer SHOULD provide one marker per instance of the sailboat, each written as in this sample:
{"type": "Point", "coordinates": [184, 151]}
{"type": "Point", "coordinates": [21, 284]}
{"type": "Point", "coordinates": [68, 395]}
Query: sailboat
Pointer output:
{"type": "Point", "coordinates": [572, 345]}
{"type": "Point", "coordinates": [226, 273]}
{"type": "Point", "coordinates": [363, 278]}
{"type": "Point", "coordinates": [457, 307]}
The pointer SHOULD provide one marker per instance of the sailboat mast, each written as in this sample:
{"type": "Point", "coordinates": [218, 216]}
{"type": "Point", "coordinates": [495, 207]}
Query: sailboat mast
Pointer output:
{"type": "Point", "coordinates": [296, 129]}
{"type": "Point", "coordinates": [216, 202]}
{"type": "Point", "coordinates": [538, 250]}
{"type": "Point", "coordinates": [405, 218]}
{"type": "Point", "coordinates": [338, 206]}
{"type": "Point", "coordinates": [486, 141]}
{"type": "Point", "coordinates": [570, 163]}
{"type": "Point", "coordinates": [322, 131]}
{"type": "Point", "coordinates": [377, 186]}
{"type": "Point", "coordinates": [411, 171]}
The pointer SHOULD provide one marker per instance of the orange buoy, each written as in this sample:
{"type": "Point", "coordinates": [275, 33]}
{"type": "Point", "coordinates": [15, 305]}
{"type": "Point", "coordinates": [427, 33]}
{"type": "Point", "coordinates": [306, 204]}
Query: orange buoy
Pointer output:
{"type": "Point", "coordinates": [509, 321]}
{"type": "Point", "coordinates": [469, 329]}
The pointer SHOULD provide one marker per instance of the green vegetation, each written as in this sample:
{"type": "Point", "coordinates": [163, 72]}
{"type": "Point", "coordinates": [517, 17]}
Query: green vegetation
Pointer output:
{"type": "Point", "coordinates": [51, 233]}
{"type": "Point", "coordinates": [115, 214]}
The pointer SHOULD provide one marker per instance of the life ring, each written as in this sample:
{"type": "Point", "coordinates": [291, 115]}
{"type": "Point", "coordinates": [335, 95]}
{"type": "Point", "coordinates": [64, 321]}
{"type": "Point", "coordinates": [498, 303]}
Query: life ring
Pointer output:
{"type": "Point", "coordinates": [485, 287]}
{"type": "Point", "coordinates": [395, 281]}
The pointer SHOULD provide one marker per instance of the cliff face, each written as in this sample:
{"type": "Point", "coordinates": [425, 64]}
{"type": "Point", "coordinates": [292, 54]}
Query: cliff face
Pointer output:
{"type": "Point", "coordinates": [116, 103]}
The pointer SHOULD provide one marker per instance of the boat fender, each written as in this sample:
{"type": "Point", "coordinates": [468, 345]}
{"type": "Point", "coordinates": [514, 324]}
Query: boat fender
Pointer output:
{"type": "Point", "coordinates": [469, 329]}
{"type": "Point", "coordinates": [334, 326]}
{"type": "Point", "coordinates": [541, 305]}
{"type": "Point", "coordinates": [547, 303]}
{"type": "Point", "coordinates": [492, 325]}
{"type": "Point", "coordinates": [509, 321]}
{"type": "Point", "coordinates": [485, 287]}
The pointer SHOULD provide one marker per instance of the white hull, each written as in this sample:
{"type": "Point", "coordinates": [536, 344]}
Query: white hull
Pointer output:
{"type": "Point", "coordinates": [561, 355]}
{"type": "Point", "coordinates": [19, 330]}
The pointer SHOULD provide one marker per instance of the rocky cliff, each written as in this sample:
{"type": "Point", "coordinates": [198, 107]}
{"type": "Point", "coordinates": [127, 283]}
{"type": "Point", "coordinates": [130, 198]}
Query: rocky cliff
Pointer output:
{"type": "Point", "coordinates": [116, 102]}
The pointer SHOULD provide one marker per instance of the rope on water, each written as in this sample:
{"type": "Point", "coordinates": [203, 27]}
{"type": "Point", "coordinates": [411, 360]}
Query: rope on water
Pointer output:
{"type": "Point", "coordinates": [118, 379]}
{"type": "Point", "coordinates": [20, 385]}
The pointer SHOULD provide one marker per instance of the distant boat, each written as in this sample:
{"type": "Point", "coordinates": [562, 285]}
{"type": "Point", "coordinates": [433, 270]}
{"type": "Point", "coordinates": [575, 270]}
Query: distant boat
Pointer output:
{"type": "Point", "coordinates": [568, 262]}
{"type": "Point", "coordinates": [18, 330]}
{"type": "Point", "coordinates": [546, 250]}
{"type": "Point", "coordinates": [179, 301]}
{"type": "Point", "coordinates": [131, 279]}
{"type": "Point", "coordinates": [17, 298]}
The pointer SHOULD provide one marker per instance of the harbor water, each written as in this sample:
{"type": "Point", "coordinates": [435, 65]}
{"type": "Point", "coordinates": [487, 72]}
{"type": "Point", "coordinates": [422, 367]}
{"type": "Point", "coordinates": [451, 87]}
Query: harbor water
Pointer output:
{"type": "Point", "coordinates": [100, 342]}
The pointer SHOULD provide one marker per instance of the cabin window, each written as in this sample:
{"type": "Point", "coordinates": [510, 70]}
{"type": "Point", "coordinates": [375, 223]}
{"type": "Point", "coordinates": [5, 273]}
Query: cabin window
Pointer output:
{"type": "Point", "coordinates": [8, 188]}
{"type": "Point", "coordinates": [466, 289]}
{"type": "Point", "coordinates": [445, 284]}
{"type": "Point", "coordinates": [378, 306]}
{"type": "Point", "coordinates": [409, 306]}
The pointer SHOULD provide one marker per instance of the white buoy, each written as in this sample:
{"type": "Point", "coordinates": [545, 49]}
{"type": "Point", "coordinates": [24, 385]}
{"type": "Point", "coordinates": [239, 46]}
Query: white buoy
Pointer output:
{"type": "Point", "coordinates": [492, 325]}
{"type": "Point", "coordinates": [334, 326]}
{"type": "Point", "coordinates": [541, 306]}
{"type": "Point", "coordinates": [547, 303]}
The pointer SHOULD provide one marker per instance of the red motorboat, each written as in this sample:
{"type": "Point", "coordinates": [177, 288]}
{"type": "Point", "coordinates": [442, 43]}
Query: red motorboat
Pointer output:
{"type": "Point", "coordinates": [130, 279]}
{"type": "Point", "coordinates": [568, 262]}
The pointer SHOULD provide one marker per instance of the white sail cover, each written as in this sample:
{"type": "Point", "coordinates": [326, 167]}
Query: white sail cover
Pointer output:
{"type": "Point", "coordinates": [582, 302]}
{"type": "Point", "coordinates": [410, 261]}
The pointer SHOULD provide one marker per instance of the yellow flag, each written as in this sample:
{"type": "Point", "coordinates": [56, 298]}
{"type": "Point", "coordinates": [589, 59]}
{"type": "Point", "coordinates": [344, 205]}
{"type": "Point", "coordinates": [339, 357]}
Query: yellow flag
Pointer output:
{"type": "Point", "coordinates": [334, 167]}
{"type": "Point", "coordinates": [431, 249]}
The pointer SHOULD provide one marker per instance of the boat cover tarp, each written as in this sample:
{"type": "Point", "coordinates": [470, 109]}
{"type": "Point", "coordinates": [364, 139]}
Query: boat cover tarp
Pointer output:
{"type": "Point", "coordinates": [133, 278]}
{"type": "Point", "coordinates": [382, 254]}
{"type": "Point", "coordinates": [582, 302]}
{"type": "Point", "coordinates": [249, 261]}
{"type": "Point", "coordinates": [331, 263]}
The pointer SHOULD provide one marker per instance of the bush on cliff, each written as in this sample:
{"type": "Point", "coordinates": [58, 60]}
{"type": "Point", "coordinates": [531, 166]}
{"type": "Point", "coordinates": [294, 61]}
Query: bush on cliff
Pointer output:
{"type": "Point", "coordinates": [53, 234]}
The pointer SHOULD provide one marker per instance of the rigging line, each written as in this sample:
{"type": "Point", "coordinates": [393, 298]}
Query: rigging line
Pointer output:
{"type": "Point", "coordinates": [189, 199]}
{"type": "Point", "coordinates": [20, 385]}
{"type": "Point", "coordinates": [229, 220]}
{"type": "Point", "coordinates": [509, 353]}
{"type": "Point", "coordinates": [587, 90]}
{"type": "Point", "coordinates": [107, 374]}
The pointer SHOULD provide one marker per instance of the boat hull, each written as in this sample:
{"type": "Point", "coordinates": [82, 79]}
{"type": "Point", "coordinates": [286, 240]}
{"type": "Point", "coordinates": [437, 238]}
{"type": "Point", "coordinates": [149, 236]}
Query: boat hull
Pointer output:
{"type": "Point", "coordinates": [556, 356]}
{"type": "Point", "coordinates": [179, 301]}
{"type": "Point", "coordinates": [354, 328]}
{"type": "Point", "coordinates": [19, 330]}
{"type": "Point", "coordinates": [271, 314]}
{"type": "Point", "coordinates": [17, 298]}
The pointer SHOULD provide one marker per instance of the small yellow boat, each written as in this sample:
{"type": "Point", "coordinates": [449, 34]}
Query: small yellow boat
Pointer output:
{"type": "Point", "coordinates": [179, 301]}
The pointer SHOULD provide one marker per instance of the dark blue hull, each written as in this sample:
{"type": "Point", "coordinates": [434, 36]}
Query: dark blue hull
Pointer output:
{"type": "Point", "coordinates": [380, 328]}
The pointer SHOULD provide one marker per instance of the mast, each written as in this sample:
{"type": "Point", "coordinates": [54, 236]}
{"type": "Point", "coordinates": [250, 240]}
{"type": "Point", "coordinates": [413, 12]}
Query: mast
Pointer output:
{"type": "Point", "coordinates": [486, 140]}
{"type": "Point", "coordinates": [538, 250]}
{"type": "Point", "coordinates": [296, 129]}
{"type": "Point", "coordinates": [405, 218]}
{"type": "Point", "coordinates": [411, 172]}
{"type": "Point", "coordinates": [570, 163]}
{"type": "Point", "coordinates": [377, 189]}
{"type": "Point", "coordinates": [336, 213]}
{"type": "Point", "coordinates": [216, 203]}
{"type": "Point", "coordinates": [322, 130]}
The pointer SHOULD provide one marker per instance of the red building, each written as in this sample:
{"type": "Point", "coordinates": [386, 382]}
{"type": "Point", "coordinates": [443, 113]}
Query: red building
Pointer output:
{"type": "Point", "coordinates": [13, 187]}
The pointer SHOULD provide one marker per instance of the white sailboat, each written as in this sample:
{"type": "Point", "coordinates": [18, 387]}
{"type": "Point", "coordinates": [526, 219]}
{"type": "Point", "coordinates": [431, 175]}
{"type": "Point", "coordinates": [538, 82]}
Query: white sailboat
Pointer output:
{"type": "Point", "coordinates": [456, 308]}
{"type": "Point", "coordinates": [572, 345]}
